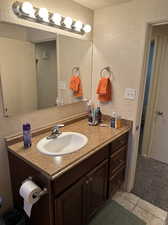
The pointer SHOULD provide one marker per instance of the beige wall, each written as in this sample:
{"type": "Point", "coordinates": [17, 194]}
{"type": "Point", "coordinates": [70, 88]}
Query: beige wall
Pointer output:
{"type": "Point", "coordinates": [119, 41]}
{"type": "Point", "coordinates": [18, 77]}
{"type": "Point", "coordinates": [13, 31]}
{"type": "Point", "coordinates": [13, 125]}
{"type": "Point", "coordinates": [64, 7]}
{"type": "Point", "coordinates": [74, 52]}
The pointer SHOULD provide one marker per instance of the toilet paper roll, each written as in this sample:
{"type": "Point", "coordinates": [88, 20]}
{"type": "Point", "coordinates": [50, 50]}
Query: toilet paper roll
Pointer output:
{"type": "Point", "coordinates": [29, 191]}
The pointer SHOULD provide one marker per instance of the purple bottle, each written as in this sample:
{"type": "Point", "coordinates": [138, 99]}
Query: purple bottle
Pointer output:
{"type": "Point", "coordinates": [27, 135]}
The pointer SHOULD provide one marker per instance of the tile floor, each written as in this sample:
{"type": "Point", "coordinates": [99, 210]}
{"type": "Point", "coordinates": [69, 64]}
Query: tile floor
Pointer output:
{"type": "Point", "coordinates": [149, 213]}
{"type": "Point", "coordinates": [149, 185]}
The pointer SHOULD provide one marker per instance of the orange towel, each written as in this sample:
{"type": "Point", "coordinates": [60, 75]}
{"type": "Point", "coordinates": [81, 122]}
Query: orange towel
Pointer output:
{"type": "Point", "coordinates": [104, 90]}
{"type": "Point", "coordinates": [76, 86]}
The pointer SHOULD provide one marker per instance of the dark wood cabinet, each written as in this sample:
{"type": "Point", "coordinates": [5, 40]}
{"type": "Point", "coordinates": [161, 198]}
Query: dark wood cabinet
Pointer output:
{"type": "Point", "coordinates": [79, 203]}
{"type": "Point", "coordinates": [70, 206]}
{"type": "Point", "coordinates": [96, 189]}
{"type": "Point", "coordinates": [116, 181]}
{"type": "Point", "coordinates": [75, 196]}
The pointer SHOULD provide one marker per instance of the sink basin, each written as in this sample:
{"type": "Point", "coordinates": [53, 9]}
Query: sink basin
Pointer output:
{"type": "Point", "coordinates": [66, 143]}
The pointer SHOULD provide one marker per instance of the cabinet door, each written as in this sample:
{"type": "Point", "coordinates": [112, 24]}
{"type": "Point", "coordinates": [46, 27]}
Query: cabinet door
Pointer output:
{"type": "Point", "coordinates": [96, 189]}
{"type": "Point", "coordinates": [69, 206]}
{"type": "Point", "coordinates": [116, 181]}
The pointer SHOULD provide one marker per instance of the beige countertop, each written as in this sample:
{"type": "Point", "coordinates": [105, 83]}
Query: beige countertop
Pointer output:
{"type": "Point", "coordinates": [54, 166]}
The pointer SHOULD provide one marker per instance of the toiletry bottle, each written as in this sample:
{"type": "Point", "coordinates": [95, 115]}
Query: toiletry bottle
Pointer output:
{"type": "Point", "coordinates": [90, 118]}
{"type": "Point", "coordinates": [98, 115]}
{"type": "Point", "coordinates": [113, 120]}
{"type": "Point", "coordinates": [118, 122]}
{"type": "Point", "coordinates": [27, 135]}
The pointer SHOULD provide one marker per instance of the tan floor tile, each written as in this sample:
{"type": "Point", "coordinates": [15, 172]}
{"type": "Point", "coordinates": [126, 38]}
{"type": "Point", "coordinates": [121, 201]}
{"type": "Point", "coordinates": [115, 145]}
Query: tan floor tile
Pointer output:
{"type": "Point", "coordinates": [118, 195]}
{"type": "Point", "coordinates": [125, 203]}
{"type": "Point", "coordinates": [144, 215]}
{"type": "Point", "coordinates": [157, 221]}
{"type": "Point", "coordinates": [131, 197]}
{"type": "Point", "coordinates": [152, 209]}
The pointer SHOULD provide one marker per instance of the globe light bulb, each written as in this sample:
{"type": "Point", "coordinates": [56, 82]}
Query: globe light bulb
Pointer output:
{"type": "Point", "coordinates": [43, 14]}
{"type": "Point", "coordinates": [56, 18]}
{"type": "Point", "coordinates": [78, 25]}
{"type": "Point", "coordinates": [87, 28]}
{"type": "Point", "coordinates": [68, 22]}
{"type": "Point", "coordinates": [27, 8]}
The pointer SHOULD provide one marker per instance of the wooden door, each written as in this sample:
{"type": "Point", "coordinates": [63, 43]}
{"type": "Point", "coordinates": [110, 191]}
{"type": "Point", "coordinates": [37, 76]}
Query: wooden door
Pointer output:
{"type": "Point", "coordinates": [96, 189]}
{"type": "Point", "coordinates": [69, 206]}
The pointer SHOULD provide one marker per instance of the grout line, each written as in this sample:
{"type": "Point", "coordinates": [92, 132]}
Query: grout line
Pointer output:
{"type": "Point", "coordinates": [136, 205]}
{"type": "Point", "coordinates": [153, 214]}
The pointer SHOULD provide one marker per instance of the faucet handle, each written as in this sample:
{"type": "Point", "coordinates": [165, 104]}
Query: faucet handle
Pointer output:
{"type": "Point", "coordinates": [56, 128]}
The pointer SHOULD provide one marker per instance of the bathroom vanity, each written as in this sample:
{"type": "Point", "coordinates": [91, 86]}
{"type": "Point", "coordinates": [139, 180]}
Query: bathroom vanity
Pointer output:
{"type": "Point", "coordinates": [78, 184]}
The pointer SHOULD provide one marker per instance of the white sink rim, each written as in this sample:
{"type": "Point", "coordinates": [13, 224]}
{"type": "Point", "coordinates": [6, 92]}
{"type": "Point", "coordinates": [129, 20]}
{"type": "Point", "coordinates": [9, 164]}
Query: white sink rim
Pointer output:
{"type": "Point", "coordinates": [44, 141]}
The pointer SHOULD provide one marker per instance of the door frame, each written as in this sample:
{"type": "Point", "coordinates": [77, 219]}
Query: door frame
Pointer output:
{"type": "Point", "coordinates": [150, 111]}
{"type": "Point", "coordinates": [147, 140]}
{"type": "Point", "coordinates": [134, 144]}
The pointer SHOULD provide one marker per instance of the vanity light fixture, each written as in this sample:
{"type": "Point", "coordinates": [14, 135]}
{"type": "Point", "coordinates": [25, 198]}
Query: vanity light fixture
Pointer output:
{"type": "Point", "coordinates": [56, 19]}
{"type": "Point", "coordinates": [78, 25]}
{"type": "Point", "coordinates": [27, 8]}
{"type": "Point", "coordinates": [43, 14]}
{"type": "Point", "coordinates": [87, 28]}
{"type": "Point", "coordinates": [68, 22]}
{"type": "Point", "coordinates": [27, 11]}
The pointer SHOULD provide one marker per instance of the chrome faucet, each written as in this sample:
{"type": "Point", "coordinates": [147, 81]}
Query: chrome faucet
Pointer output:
{"type": "Point", "coordinates": [55, 131]}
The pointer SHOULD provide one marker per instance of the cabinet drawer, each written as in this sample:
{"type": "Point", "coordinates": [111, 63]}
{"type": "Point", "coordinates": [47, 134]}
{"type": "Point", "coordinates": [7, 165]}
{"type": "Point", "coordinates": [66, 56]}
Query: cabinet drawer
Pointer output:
{"type": "Point", "coordinates": [116, 181]}
{"type": "Point", "coordinates": [117, 160]}
{"type": "Point", "coordinates": [118, 143]}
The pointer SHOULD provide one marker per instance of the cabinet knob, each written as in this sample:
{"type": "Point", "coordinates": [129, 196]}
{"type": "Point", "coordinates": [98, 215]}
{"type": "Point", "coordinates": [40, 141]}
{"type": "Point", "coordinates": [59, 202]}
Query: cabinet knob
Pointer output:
{"type": "Point", "coordinates": [87, 182]}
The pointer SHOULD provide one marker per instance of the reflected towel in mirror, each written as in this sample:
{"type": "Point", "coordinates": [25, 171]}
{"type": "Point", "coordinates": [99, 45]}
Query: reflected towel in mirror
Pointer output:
{"type": "Point", "coordinates": [76, 86]}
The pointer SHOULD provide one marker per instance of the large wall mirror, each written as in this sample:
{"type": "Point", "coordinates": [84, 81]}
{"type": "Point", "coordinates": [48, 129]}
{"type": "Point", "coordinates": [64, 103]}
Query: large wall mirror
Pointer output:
{"type": "Point", "coordinates": [38, 68]}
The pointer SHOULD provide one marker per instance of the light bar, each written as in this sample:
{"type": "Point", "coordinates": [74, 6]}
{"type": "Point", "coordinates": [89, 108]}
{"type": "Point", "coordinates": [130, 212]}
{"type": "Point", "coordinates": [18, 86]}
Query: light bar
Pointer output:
{"type": "Point", "coordinates": [27, 11]}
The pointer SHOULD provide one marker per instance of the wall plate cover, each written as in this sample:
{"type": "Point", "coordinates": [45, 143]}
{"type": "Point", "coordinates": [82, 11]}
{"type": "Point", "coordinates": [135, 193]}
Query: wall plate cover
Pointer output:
{"type": "Point", "coordinates": [62, 85]}
{"type": "Point", "coordinates": [130, 93]}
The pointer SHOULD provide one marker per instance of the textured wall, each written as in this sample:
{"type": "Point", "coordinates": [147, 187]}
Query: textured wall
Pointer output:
{"type": "Point", "coordinates": [119, 41]}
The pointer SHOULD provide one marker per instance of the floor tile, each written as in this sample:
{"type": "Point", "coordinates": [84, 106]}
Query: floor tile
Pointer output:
{"type": "Point", "coordinates": [125, 203]}
{"type": "Point", "coordinates": [157, 221]}
{"type": "Point", "coordinates": [152, 209]}
{"type": "Point", "coordinates": [131, 197]}
{"type": "Point", "coordinates": [151, 182]}
{"type": "Point", "coordinates": [118, 195]}
{"type": "Point", "coordinates": [144, 215]}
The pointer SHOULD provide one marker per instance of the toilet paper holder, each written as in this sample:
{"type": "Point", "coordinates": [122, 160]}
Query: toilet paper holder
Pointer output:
{"type": "Point", "coordinates": [42, 193]}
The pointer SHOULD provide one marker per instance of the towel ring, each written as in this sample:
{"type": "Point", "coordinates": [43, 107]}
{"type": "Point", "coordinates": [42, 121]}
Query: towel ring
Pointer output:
{"type": "Point", "coordinates": [107, 69]}
{"type": "Point", "coordinates": [76, 69]}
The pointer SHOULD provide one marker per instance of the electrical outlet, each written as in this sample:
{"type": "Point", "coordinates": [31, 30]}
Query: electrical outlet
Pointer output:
{"type": "Point", "coordinates": [130, 93]}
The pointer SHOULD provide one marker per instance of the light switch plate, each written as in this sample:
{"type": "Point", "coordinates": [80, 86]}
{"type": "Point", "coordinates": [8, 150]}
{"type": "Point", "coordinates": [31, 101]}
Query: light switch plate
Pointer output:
{"type": "Point", "coordinates": [130, 93]}
{"type": "Point", "coordinates": [62, 85]}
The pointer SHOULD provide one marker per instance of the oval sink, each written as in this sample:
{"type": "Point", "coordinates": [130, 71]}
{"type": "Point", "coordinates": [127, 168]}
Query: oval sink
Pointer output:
{"type": "Point", "coordinates": [66, 143]}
